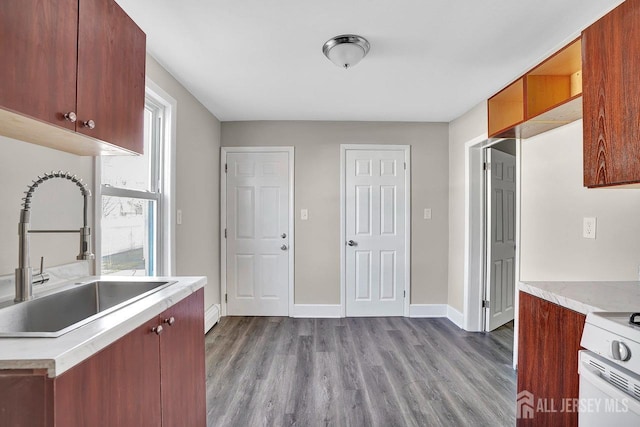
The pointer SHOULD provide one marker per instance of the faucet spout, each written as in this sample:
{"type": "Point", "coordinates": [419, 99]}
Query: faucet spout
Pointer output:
{"type": "Point", "coordinates": [24, 274]}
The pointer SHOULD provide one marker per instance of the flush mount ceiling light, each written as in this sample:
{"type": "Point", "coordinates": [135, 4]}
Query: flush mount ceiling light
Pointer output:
{"type": "Point", "coordinates": [346, 50]}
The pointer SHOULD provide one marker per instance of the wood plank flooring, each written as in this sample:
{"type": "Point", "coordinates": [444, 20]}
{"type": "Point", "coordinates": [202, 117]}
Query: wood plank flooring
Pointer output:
{"type": "Point", "coordinates": [275, 371]}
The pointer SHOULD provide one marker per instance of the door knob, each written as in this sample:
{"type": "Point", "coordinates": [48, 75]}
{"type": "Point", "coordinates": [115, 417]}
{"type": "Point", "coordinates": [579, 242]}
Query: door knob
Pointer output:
{"type": "Point", "coordinates": [89, 124]}
{"type": "Point", "coordinates": [284, 235]}
{"type": "Point", "coordinates": [70, 116]}
{"type": "Point", "coordinates": [283, 247]}
{"type": "Point", "coordinates": [352, 243]}
{"type": "Point", "coordinates": [158, 329]}
{"type": "Point", "coordinates": [170, 321]}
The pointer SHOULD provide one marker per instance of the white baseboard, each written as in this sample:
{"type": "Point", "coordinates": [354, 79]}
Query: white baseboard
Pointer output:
{"type": "Point", "coordinates": [455, 316]}
{"type": "Point", "coordinates": [211, 317]}
{"type": "Point", "coordinates": [317, 310]}
{"type": "Point", "coordinates": [428, 310]}
{"type": "Point", "coordinates": [437, 310]}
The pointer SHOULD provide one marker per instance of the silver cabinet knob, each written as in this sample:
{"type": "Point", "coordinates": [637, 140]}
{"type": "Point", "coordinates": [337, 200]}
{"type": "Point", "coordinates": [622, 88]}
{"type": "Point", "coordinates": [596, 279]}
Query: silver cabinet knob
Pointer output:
{"type": "Point", "coordinates": [284, 235]}
{"type": "Point", "coordinates": [283, 247]}
{"type": "Point", "coordinates": [89, 124]}
{"type": "Point", "coordinates": [352, 243]}
{"type": "Point", "coordinates": [158, 329]}
{"type": "Point", "coordinates": [70, 116]}
{"type": "Point", "coordinates": [170, 321]}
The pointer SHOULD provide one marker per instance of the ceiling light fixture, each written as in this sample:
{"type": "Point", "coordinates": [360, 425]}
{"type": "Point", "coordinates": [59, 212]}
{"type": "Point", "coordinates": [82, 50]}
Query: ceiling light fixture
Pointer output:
{"type": "Point", "coordinates": [346, 50]}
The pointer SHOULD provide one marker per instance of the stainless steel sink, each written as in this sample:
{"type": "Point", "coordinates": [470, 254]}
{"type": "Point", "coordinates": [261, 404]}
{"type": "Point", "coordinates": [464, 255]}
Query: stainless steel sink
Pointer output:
{"type": "Point", "coordinates": [58, 313]}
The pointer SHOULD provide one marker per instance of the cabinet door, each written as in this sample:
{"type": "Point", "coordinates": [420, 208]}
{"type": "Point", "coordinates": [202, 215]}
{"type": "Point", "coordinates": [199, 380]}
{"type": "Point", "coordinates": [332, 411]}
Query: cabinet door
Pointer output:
{"type": "Point", "coordinates": [182, 356]}
{"type": "Point", "coordinates": [119, 386]}
{"type": "Point", "coordinates": [111, 74]}
{"type": "Point", "coordinates": [611, 97]}
{"type": "Point", "coordinates": [38, 51]}
{"type": "Point", "coordinates": [25, 398]}
{"type": "Point", "coordinates": [548, 344]}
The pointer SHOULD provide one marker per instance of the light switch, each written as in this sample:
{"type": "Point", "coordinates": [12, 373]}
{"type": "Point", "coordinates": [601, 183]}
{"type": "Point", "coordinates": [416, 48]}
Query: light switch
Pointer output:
{"type": "Point", "coordinates": [427, 213]}
{"type": "Point", "coordinates": [179, 216]}
{"type": "Point", "coordinates": [304, 214]}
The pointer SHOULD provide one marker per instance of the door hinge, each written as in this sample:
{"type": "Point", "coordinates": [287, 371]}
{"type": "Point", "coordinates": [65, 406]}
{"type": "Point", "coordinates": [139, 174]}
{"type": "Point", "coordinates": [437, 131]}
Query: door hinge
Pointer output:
{"type": "Point", "coordinates": [405, 165]}
{"type": "Point", "coordinates": [486, 166]}
{"type": "Point", "coordinates": [404, 294]}
{"type": "Point", "coordinates": [225, 233]}
{"type": "Point", "coordinates": [485, 303]}
{"type": "Point", "coordinates": [226, 297]}
{"type": "Point", "coordinates": [226, 167]}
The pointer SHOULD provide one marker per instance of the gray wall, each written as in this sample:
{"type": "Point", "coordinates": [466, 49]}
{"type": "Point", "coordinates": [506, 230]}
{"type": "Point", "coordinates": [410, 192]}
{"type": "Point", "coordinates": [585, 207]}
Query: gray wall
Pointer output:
{"type": "Point", "coordinates": [56, 204]}
{"type": "Point", "coordinates": [553, 205]}
{"type": "Point", "coordinates": [317, 176]}
{"type": "Point", "coordinates": [197, 184]}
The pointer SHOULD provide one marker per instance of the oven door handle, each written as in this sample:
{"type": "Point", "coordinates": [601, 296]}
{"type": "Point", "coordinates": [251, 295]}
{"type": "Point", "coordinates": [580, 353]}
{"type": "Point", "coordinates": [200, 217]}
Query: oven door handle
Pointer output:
{"type": "Point", "coordinates": [593, 376]}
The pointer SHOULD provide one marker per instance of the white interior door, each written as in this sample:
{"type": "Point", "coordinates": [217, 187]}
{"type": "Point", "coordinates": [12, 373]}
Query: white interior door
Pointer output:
{"type": "Point", "coordinates": [257, 218]}
{"type": "Point", "coordinates": [375, 195]}
{"type": "Point", "coordinates": [501, 233]}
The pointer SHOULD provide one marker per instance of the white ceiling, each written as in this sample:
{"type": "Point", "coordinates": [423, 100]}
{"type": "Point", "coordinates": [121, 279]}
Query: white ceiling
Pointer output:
{"type": "Point", "coordinates": [430, 60]}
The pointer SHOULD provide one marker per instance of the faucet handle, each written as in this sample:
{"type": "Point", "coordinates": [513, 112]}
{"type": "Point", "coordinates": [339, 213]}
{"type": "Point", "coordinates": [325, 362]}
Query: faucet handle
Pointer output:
{"type": "Point", "coordinates": [41, 277]}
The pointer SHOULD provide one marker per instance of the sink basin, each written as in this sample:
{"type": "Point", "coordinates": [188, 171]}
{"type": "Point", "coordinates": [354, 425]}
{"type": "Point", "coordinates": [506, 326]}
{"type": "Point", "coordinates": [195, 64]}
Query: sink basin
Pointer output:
{"type": "Point", "coordinates": [56, 314]}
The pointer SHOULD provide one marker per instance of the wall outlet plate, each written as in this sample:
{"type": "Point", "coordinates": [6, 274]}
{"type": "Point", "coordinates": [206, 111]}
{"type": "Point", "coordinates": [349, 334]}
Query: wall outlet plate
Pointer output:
{"type": "Point", "coordinates": [589, 227]}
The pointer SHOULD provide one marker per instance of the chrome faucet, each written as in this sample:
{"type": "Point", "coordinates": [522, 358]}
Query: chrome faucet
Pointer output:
{"type": "Point", "coordinates": [24, 275]}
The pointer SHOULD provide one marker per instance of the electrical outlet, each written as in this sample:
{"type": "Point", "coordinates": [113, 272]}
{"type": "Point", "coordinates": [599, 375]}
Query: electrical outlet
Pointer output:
{"type": "Point", "coordinates": [589, 228]}
{"type": "Point", "coordinates": [427, 213]}
{"type": "Point", "coordinates": [304, 214]}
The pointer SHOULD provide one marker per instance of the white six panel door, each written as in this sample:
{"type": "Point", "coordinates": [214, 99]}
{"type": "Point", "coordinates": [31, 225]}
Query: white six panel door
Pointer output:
{"type": "Point", "coordinates": [375, 229]}
{"type": "Point", "coordinates": [257, 233]}
{"type": "Point", "coordinates": [501, 220]}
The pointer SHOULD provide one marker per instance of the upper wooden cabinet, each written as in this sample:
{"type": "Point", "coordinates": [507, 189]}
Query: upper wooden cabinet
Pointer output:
{"type": "Point", "coordinates": [546, 97]}
{"type": "Point", "coordinates": [72, 57]}
{"type": "Point", "coordinates": [611, 52]}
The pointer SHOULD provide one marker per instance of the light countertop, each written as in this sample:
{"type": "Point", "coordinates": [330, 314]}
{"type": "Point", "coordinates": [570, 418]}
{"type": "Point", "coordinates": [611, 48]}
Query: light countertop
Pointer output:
{"type": "Point", "coordinates": [585, 297]}
{"type": "Point", "coordinates": [57, 355]}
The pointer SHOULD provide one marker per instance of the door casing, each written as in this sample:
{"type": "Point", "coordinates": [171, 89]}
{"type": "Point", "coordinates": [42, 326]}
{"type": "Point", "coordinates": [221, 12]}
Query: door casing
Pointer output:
{"type": "Point", "coordinates": [343, 207]}
{"type": "Point", "coordinates": [223, 218]}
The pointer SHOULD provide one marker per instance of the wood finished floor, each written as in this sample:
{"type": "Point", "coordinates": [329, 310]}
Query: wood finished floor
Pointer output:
{"type": "Point", "coordinates": [275, 371]}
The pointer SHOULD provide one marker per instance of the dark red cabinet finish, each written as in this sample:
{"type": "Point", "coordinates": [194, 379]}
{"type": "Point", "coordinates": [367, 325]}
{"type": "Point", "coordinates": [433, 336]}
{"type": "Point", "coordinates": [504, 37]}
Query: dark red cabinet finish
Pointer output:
{"type": "Point", "coordinates": [115, 387]}
{"type": "Point", "coordinates": [183, 370]}
{"type": "Point", "coordinates": [548, 343]}
{"type": "Point", "coordinates": [85, 57]}
{"type": "Point", "coordinates": [38, 48]}
{"type": "Point", "coordinates": [611, 97]}
{"type": "Point", "coordinates": [111, 72]}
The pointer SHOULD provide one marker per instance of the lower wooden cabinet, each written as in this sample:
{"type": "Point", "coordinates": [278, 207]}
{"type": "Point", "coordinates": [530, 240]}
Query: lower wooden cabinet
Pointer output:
{"type": "Point", "coordinates": [142, 379]}
{"type": "Point", "coordinates": [548, 343]}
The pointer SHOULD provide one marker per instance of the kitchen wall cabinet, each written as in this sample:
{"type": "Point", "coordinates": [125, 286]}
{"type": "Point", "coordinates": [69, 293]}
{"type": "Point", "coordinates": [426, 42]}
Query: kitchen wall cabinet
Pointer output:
{"type": "Point", "coordinates": [546, 97]}
{"type": "Point", "coordinates": [611, 48]}
{"type": "Point", "coordinates": [82, 58]}
{"type": "Point", "coordinates": [142, 379]}
{"type": "Point", "coordinates": [548, 343]}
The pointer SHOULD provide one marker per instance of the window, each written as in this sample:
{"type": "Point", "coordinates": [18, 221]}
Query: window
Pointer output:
{"type": "Point", "coordinates": [134, 205]}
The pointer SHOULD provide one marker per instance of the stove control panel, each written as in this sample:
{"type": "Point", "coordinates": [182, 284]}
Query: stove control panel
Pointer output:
{"type": "Point", "coordinates": [613, 347]}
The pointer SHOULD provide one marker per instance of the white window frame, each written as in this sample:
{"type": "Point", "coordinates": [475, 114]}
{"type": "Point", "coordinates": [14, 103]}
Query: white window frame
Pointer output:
{"type": "Point", "coordinates": [166, 242]}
